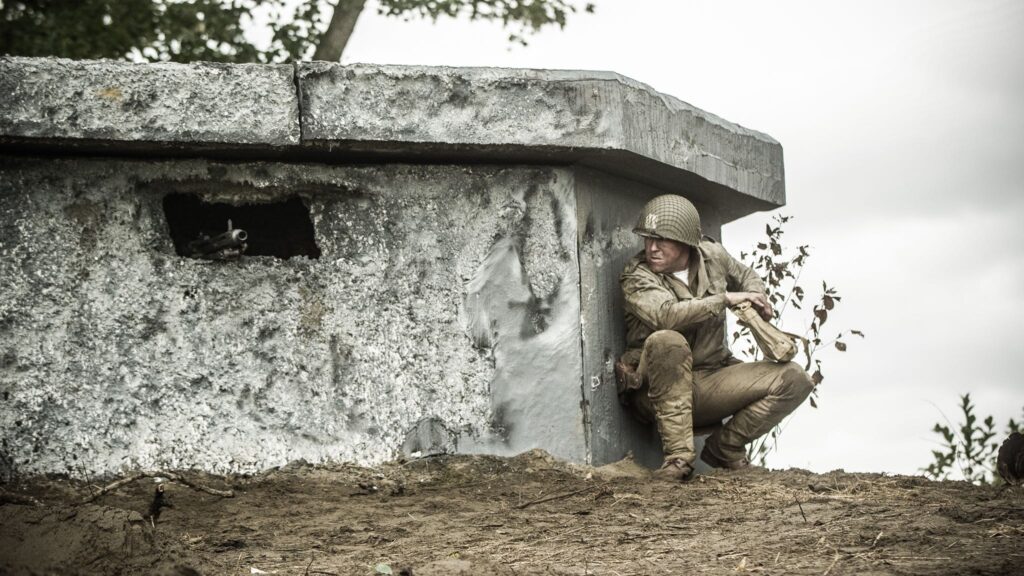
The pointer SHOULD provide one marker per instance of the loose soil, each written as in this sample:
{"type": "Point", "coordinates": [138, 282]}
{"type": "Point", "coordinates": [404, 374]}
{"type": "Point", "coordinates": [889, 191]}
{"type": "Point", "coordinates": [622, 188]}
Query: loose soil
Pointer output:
{"type": "Point", "coordinates": [529, 514]}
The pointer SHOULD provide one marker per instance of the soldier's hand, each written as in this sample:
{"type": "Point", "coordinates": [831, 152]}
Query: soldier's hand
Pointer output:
{"type": "Point", "coordinates": [764, 307]}
{"type": "Point", "coordinates": [756, 299]}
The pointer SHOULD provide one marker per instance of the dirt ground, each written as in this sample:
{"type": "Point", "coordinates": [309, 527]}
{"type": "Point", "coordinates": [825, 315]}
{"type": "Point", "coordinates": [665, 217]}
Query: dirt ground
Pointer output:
{"type": "Point", "coordinates": [529, 514]}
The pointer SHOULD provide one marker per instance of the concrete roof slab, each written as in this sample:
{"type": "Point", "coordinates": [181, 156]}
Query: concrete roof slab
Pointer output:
{"type": "Point", "coordinates": [106, 100]}
{"type": "Point", "coordinates": [579, 116]}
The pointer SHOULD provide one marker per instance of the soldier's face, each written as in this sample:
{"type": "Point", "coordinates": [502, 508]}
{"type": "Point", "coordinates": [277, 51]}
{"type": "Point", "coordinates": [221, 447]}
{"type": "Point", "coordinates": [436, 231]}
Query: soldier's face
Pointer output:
{"type": "Point", "coordinates": [666, 256]}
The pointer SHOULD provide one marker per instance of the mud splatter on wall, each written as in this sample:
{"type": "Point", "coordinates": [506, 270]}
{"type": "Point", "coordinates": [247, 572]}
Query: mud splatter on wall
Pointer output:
{"type": "Point", "coordinates": [522, 304]}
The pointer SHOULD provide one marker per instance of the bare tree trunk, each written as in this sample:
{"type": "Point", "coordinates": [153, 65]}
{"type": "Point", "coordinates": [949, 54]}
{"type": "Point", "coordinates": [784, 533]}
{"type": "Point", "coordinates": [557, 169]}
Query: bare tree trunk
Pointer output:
{"type": "Point", "coordinates": [343, 21]}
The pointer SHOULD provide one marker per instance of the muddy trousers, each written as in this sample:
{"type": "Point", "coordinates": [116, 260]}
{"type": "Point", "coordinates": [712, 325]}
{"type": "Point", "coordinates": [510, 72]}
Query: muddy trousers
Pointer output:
{"type": "Point", "coordinates": [758, 395]}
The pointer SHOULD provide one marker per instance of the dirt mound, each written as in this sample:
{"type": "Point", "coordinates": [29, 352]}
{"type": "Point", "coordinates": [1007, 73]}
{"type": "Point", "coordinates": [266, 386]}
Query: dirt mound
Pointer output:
{"type": "Point", "coordinates": [530, 514]}
{"type": "Point", "coordinates": [87, 538]}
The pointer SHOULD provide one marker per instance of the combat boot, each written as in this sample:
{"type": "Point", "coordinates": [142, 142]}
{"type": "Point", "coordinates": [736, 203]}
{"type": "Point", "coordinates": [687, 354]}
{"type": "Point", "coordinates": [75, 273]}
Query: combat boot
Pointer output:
{"type": "Point", "coordinates": [711, 459]}
{"type": "Point", "coordinates": [627, 376]}
{"type": "Point", "coordinates": [674, 470]}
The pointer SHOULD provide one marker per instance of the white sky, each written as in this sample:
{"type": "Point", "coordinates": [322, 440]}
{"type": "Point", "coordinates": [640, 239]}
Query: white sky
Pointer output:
{"type": "Point", "coordinates": [903, 132]}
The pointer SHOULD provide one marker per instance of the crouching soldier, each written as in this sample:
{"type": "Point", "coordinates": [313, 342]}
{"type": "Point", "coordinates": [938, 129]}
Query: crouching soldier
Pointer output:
{"type": "Point", "coordinates": [677, 369]}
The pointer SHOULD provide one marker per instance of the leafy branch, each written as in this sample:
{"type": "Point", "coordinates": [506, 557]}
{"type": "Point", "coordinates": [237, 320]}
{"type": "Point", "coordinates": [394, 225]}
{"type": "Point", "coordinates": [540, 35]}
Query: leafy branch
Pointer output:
{"type": "Point", "coordinates": [781, 269]}
{"type": "Point", "coordinates": [970, 448]}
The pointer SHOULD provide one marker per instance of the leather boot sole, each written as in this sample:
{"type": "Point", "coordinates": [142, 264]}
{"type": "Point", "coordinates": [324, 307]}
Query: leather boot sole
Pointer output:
{"type": "Point", "coordinates": [715, 462]}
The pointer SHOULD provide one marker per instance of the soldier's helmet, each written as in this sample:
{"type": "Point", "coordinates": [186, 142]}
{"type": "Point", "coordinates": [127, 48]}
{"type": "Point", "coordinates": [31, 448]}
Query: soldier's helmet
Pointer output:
{"type": "Point", "coordinates": [671, 217]}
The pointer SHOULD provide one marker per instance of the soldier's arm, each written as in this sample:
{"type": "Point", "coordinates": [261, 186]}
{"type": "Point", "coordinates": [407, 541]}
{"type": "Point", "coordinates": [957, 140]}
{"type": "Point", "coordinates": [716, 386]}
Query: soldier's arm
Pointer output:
{"type": "Point", "coordinates": [744, 284]}
{"type": "Point", "coordinates": [740, 277]}
{"type": "Point", "coordinates": [658, 308]}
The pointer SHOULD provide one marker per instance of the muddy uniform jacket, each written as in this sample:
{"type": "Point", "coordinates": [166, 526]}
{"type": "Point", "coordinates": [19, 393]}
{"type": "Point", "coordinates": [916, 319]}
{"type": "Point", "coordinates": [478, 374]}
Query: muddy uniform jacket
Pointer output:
{"type": "Point", "coordinates": [661, 302]}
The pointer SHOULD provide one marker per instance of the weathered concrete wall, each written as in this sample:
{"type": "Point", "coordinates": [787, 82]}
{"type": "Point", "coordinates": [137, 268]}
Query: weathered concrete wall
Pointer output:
{"type": "Point", "coordinates": [117, 353]}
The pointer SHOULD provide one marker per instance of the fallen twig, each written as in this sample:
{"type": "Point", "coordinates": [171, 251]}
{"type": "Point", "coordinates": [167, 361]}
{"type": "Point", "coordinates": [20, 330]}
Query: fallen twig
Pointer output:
{"type": "Point", "coordinates": [818, 498]}
{"type": "Point", "coordinates": [835, 560]}
{"type": "Point", "coordinates": [992, 507]}
{"type": "Point", "coordinates": [800, 506]}
{"type": "Point", "coordinates": [158, 474]}
{"type": "Point", "coordinates": [729, 555]}
{"type": "Point", "coordinates": [555, 497]}
{"type": "Point", "coordinates": [456, 486]}
{"type": "Point", "coordinates": [630, 537]}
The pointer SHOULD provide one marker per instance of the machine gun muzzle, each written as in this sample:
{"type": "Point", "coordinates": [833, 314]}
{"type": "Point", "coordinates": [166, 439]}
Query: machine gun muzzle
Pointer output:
{"type": "Point", "coordinates": [224, 245]}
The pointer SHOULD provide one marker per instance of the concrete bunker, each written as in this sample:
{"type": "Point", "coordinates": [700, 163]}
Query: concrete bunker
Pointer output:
{"type": "Point", "coordinates": [440, 272]}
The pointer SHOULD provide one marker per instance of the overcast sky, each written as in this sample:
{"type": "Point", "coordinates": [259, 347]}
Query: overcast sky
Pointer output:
{"type": "Point", "coordinates": [902, 123]}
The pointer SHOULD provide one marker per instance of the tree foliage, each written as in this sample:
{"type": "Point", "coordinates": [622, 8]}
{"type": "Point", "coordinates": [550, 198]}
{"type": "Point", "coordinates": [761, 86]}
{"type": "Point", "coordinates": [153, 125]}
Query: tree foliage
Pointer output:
{"type": "Point", "coordinates": [214, 30]}
{"type": "Point", "coordinates": [781, 269]}
{"type": "Point", "coordinates": [152, 30]}
{"type": "Point", "coordinates": [970, 448]}
{"type": "Point", "coordinates": [523, 17]}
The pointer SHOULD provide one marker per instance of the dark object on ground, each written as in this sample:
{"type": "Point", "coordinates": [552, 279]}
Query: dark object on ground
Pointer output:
{"type": "Point", "coordinates": [1010, 462]}
{"type": "Point", "coordinates": [159, 503]}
